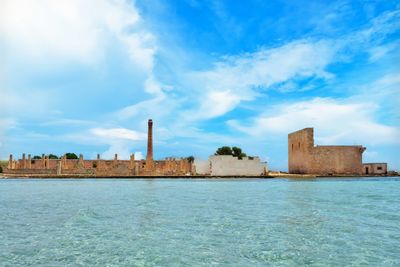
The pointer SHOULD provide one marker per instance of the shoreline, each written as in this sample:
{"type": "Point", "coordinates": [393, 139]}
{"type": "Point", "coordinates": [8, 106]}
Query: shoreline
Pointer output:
{"type": "Point", "coordinates": [74, 176]}
{"type": "Point", "coordinates": [269, 176]}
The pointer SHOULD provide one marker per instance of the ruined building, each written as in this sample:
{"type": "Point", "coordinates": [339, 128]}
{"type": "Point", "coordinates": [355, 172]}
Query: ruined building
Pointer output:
{"type": "Point", "coordinates": [375, 168]}
{"type": "Point", "coordinates": [306, 158]}
{"type": "Point", "coordinates": [46, 167]}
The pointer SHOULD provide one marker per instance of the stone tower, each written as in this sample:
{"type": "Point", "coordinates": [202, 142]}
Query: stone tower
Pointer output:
{"type": "Point", "coordinates": [149, 157]}
{"type": "Point", "coordinates": [307, 158]}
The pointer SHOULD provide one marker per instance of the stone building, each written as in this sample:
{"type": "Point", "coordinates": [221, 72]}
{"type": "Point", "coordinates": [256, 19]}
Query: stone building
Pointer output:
{"type": "Point", "coordinates": [46, 167]}
{"type": "Point", "coordinates": [375, 169]}
{"type": "Point", "coordinates": [306, 158]}
{"type": "Point", "coordinates": [227, 165]}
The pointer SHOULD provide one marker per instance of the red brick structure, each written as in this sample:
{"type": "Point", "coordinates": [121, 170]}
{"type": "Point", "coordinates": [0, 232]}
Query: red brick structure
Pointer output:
{"type": "Point", "coordinates": [305, 158]}
{"type": "Point", "coordinates": [149, 156]}
{"type": "Point", "coordinates": [46, 167]}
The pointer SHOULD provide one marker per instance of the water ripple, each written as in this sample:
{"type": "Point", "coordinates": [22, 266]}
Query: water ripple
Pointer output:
{"type": "Point", "coordinates": [282, 222]}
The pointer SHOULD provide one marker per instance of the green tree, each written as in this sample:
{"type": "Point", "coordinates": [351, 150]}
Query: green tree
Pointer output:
{"type": "Point", "coordinates": [190, 159]}
{"type": "Point", "coordinates": [71, 156]}
{"type": "Point", "coordinates": [237, 152]}
{"type": "Point", "coordinates": [52, 156]}
{"type": "Point", "coordinates": [224, 150]}
{"type": "Point", "coordinates": [37, 157]}
{"type": "Point", "coordinates": [234, 151]}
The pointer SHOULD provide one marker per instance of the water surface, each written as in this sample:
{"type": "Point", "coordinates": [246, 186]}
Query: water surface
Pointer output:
{"type": "Point", "coordinates": [187, 222]}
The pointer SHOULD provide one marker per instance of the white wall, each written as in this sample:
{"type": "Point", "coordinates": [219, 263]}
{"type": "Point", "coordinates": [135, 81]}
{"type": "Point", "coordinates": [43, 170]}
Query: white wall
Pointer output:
{"type": "Point", "coordinates": [230, 166]}
{"type": "Point", "coordinates": [202, 167]}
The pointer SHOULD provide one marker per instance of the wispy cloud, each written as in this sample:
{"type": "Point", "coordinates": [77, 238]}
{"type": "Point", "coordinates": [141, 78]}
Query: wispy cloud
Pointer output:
{"type": "Point", "coordinates": [88, 74]}
{"type": "Point", "coordinates": [243, 77]}
{"type": "Point", "coordinates": [118, 133]}
{"type": "Point", "coordinates": [335, 120]}
{"type": "Point", "coordinates": [73, 30]}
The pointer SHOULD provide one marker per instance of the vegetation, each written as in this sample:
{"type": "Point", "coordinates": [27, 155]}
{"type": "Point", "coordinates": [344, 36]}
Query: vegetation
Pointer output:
{"type": "Point", "coordinates": [3, 165]}
{"type": "Point", "coordinates": [237, 152]}
{"type": "Point", "coordinates": [190, 159]}
{"type": "Point", "coordinates": [52, 156]}
{"type": "Point", "coordinates": [71, 156]}
{"type": "Point", "coordinates": [224, 150]}
{"type": "Point", "coordinates": [234, 151]}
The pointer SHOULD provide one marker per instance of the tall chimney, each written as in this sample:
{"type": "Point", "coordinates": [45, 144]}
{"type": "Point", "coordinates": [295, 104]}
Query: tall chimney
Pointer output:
{"type": "Point", "coordinates": [10, 162]}
{"type": "Point", "coordinates": [149, 157]}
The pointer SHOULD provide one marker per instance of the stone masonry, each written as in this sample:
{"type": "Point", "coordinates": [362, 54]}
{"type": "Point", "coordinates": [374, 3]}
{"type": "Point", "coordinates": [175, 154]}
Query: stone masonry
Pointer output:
{"type": "Point", "coordinates": [375, 168]}
{"type": "Point", "coordinates": [99, 167]}
{"type": "Point", "coordinates": [305, 158]}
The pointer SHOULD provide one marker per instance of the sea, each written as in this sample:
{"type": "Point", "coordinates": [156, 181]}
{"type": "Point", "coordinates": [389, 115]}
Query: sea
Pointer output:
{"type": "Point", "coordinates": [200, 222]}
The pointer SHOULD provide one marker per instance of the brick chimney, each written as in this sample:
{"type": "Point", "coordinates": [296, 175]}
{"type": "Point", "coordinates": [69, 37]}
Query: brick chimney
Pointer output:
{"type": "Point", "coordinates": [149, 157]}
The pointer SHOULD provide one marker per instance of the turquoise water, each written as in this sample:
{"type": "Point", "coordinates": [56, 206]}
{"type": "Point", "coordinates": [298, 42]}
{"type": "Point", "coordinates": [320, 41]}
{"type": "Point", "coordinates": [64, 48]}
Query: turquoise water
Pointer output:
{"type": "Point", "coordinates": [168, 222]}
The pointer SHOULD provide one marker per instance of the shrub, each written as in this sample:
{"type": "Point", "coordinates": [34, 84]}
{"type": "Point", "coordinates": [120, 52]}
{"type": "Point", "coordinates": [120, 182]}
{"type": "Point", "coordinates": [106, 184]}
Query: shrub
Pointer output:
{"type": "Point", "coordinates": [224, 150]}
{"type": "Point", "coordinates": [52, 156]}
{"type": "Point", "coordinates": [71, 156]}
{"type": "Point", "coordinates": [190, 159]}
{"type": "Point", "coordinates": [234, 151]}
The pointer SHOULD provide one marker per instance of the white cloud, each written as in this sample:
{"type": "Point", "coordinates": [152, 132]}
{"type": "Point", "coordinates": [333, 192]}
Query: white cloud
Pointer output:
{"type": "Point", "coordinates": [73, 30]}
{"type": "Point", "coordinates": [381, 26]}
{"type": "Point", "coordinates": [241, 78]}
{"type": "Point", "coordinates": [52, 34]}
{"type": "Point", "coordinates": [119, 148]}
{"type": "Point", "coordinates": [218, 103]}
{"type": "Point", "coordinates": [379, 52]}
{"type": "Point", "coordinates": [389, 82]}
{"type": "Point", "coordinates": [139, 155]}
{"type": "Point", "coordinates": [142, 108]}
{"type": "Point", "coordinates": [335, 121]}
{"type": "Point", "coordinates": [120, 141]}
{"type": "Point", "coordinates": [118, 133]}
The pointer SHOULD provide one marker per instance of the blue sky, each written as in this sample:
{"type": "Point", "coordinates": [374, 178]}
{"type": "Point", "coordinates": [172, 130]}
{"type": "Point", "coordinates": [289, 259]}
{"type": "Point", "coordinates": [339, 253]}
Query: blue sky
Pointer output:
{"type": "Point", "coordinates": [84, 76]}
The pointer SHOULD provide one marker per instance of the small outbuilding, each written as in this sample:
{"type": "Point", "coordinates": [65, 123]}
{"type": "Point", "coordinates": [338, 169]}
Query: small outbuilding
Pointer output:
{"type": "Point", "coordinates": [374, 168]}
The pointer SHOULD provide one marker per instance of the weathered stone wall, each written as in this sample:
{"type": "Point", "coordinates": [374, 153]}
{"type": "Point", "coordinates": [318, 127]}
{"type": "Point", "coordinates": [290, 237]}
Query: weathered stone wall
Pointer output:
{"type": "Point", "coordinates": [374, 168]}
{"type": "Point", "coordinates": [105, 168]}
{"type": "Point", "coordinates": [101, 168]}
{"type": "Point", "coordinates": [202, 167]}
{"type": "Point", "coordinates": [300, 145]}
{"type": "Point", "coordinates": [327, 160]}
{"type": "Point", "coordinates": [226, 165]}
{"type": "Point", "coordinates": [32, 171]}
{"type": "Point", "coordinates": [305, 158]}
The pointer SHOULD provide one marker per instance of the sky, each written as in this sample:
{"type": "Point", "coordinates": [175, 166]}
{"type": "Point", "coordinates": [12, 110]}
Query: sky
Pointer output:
{"type": "Point", "coordinates": [85, 76]}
